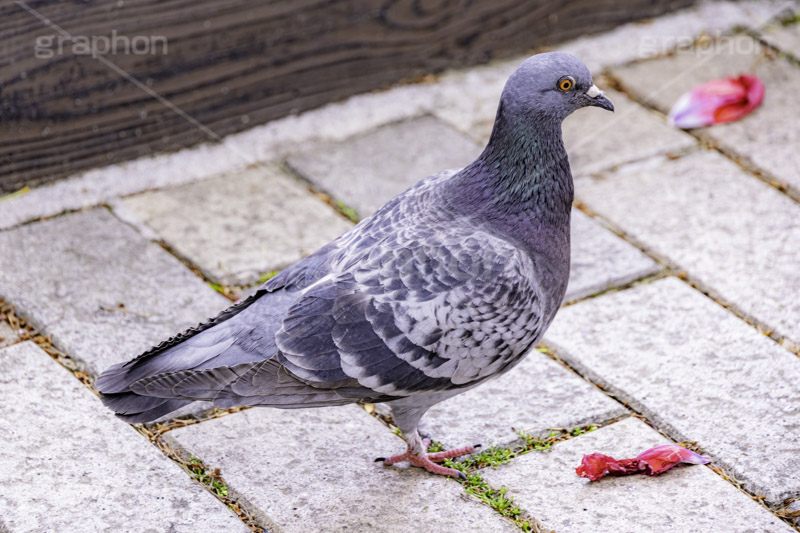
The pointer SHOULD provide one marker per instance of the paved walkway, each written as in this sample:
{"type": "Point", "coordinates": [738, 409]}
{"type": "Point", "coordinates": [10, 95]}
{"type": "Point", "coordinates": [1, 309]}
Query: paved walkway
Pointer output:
{"type": "Point", "coordinates": [682, 321]}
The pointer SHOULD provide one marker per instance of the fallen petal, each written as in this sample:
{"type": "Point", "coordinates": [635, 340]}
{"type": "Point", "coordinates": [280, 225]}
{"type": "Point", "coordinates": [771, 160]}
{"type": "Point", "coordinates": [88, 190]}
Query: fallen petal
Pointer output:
{"type": "Point", "coordinates": [651, 462]}
{"type": "Point", "coordinates": [597, 465]}
{"type": "Point", "coordinates": [717, 101]}
{"type": "Point", "coordinates": [662, 458]}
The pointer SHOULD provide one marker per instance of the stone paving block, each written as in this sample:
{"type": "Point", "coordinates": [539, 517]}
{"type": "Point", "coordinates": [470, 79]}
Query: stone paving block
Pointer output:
{"type": "Point", "coordinates": [733, 233]}
{"type": "Point", "coordinates": [367, 170]}
{"type": "Point", "coordinates": [534, 397]}
{"type": "Point", "coordinates": [698, 372]}
{"type": "Point", "coordinates": [237, 227]}
{"type": "Point", "coordinates": [783, 37]}
{"type": "Point", "coordinates": [102, 292]}
{"type": "Point", "coordinates": [687, 498]}
{"type": "Point", "coordinates": [68, 465]}
{"type": "Point", "coordinates": [314, 470]}
{"type": "Point", "coordinates": [765, 138]}
{"type": "Point", "coordinates": [601, 260]}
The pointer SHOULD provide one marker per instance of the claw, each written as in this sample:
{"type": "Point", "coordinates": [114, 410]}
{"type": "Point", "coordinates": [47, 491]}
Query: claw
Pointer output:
{"type": "Point", "coordinates": [380, 459]}
{"type": "Point", "coordinates": [462, 476]}
{"type": "Point", "coordinates": [476, 446]}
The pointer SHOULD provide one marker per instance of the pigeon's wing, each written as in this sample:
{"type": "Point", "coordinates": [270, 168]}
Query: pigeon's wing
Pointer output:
{"type": "Point", "coordinates": [416, 317]}
{"type": "Point", "coordinates": [200, 362]}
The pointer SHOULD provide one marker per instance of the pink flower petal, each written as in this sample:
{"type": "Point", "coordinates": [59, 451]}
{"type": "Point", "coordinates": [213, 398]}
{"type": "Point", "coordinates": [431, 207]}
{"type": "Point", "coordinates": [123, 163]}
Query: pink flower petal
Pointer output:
{"type": "Point", "coordinates": [662, 458]}
{"type": "Point", "coordinates": [717, 101]}
{"type": "Point", "coordinates": [651, 462]}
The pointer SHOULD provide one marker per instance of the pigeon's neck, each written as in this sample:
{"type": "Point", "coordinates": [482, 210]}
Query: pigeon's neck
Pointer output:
{"type": "Point", "coordinates": [523, 174]}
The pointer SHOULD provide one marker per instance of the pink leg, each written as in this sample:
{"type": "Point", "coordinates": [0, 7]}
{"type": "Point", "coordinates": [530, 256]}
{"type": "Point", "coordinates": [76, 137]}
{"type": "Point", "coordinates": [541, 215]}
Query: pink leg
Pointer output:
{"type": "Point", "coordinates": [428, 461]}
{"type": "Point", "coordinates": [449, 454]}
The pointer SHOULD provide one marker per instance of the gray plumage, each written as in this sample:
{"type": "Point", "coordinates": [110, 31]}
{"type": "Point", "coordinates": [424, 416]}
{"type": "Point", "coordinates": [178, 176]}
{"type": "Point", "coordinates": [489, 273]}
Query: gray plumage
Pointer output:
{"type": "Point", "coordinates": [447, 285]}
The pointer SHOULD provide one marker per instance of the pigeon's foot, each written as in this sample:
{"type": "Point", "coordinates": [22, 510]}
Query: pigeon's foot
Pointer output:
{"type": "Point", "coordinates": [428, 461]}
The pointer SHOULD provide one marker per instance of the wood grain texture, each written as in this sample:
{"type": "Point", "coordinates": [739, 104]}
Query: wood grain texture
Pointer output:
{"type": "Point", "coordinates": [232, 64]}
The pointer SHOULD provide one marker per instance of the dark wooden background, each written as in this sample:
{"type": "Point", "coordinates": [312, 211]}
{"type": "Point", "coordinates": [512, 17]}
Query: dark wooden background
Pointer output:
{"type": "Point", "coordinates": [232, 64]}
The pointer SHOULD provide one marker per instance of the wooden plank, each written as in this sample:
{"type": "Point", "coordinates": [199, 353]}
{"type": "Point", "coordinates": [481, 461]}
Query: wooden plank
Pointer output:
{"type": "Point", "coordinates": [232, 64]}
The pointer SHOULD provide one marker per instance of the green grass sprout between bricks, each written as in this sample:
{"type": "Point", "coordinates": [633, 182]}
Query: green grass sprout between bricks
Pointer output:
{"type": "Point", "coordinates": [231, 292]}
{"type": "Point", "coordinates": [498, 499]}
{"type": "Point", "coordinates": [197, 469]}
{"type": "Point", "coordinates": [266, 276]}
{"type": "Point", "coordinates": [498, 455]}
{"type": "Point", "coordinates": [347, 211]}
{"type": "Point", "coordinates": [212, 480]}
{"type": "Point", "coordinates": [791, 19]}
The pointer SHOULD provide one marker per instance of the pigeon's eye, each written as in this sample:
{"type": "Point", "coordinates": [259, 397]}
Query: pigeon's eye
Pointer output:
{"type": "Point", "coordinates": [565, 84]}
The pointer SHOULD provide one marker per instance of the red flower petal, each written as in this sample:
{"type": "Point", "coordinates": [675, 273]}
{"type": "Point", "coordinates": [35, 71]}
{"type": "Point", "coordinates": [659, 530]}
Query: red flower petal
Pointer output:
{"type": "Point", "coordinates": [597, 465]}
{"type": "Point", "coordinates": [717, 101]}
{"type": "Point", "coordinates": [651, 462]}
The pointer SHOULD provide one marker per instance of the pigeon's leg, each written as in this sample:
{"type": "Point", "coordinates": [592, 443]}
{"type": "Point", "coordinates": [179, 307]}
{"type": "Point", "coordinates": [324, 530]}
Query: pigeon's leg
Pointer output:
{"type": "Point", "coordinates": [417, 453]}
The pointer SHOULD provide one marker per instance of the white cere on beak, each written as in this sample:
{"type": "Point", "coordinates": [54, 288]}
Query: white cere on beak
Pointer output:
{"type": "Point", "coordinates": [594, 92]}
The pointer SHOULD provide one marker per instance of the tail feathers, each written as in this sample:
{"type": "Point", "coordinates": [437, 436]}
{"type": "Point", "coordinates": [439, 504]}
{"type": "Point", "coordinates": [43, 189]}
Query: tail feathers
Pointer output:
{"type": "Point", "coordinates": [118, 384]}
{"type": "Point", "coordinates": [191, 354]}
{"type": "Point", "coordinates": [194, 384]}
{"type": "Point", "coordinates": [263, 383]}
{"type": "Point", "coordinates": [134, 408]}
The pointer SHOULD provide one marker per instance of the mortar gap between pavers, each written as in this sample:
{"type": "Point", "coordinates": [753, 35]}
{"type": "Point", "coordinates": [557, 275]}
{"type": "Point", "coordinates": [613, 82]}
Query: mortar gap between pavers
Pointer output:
{"type": "Point", "coordinates": [322, 194]}
{"type": "Point", "coordinates": [664, 262]}
{"type": "Point", "coordinates": [157, 429]}
{"type": "Point", "coordinates": [476, 487]}
{"type": "Point", "coordinates": [231, 292]}
{"type": "Point", "coordinates": [671, 155]}
{"type": "Point", "coordinates": [790, 516]}
{"type": "Point", "coordinates": [195, 467]}
{"type": "Point", "coordinates": [32, 332]}
{"type": "Point", "coordinates": [224, 290]}
{"type": "Point", "coordinates": [644, 280]}
{"type": "Point", "coordinates": [48, 217]}
{"type": "Point", "coordinates": [777, 511]}
{"type": "Point", "coordinates": [239, 292]}
{"type": "Point", "coordinates": [763, 328]}
{"type": "Point", "coordinates": [185, 261]}
{"type": "Point", "coordinates": [783, 54]}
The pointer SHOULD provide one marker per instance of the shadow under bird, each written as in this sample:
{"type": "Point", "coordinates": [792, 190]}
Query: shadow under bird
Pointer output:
{"type": "Point", "coordinates": [448, 285]}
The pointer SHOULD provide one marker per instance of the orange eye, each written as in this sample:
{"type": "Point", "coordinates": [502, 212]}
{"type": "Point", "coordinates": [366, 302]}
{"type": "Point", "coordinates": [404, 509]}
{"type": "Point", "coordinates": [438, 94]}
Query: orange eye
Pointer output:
{"type": "Point", "coordinates": [566, 84]}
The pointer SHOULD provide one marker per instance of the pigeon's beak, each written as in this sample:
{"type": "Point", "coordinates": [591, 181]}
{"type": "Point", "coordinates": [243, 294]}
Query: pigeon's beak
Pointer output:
{"type": "Point", "coordinates": [595, 97]}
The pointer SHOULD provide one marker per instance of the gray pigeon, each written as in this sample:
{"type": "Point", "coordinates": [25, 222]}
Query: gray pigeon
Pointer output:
{"type": "Point", "coordinates": [448, 285]}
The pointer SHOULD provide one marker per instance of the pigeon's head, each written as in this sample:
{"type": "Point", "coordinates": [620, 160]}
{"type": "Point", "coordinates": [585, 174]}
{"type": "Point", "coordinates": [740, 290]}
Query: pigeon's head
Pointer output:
{"type": "Point", "coordinates": [552, 85]}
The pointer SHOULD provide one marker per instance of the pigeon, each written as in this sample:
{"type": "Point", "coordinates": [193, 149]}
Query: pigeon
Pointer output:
{"type": "Point", "coordinates": [446, 286]}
